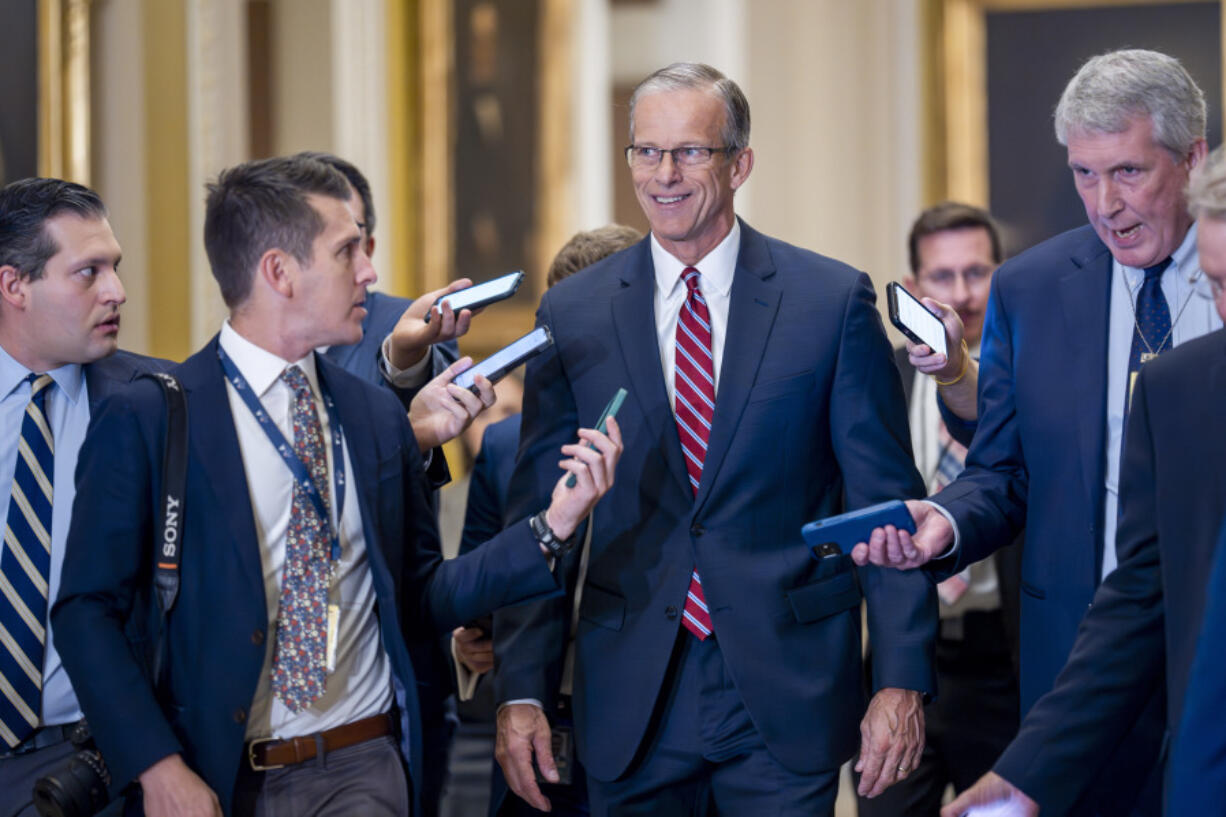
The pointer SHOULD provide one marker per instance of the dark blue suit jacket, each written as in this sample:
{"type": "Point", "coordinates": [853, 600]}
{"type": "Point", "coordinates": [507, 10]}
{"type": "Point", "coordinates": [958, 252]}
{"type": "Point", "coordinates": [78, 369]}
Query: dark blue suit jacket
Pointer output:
{"type": "Point", "coordinates": [490, 483]}
{"type": "Point", "coordinates": [1197, 776]}
{"type": "Point", "coordinates": [112, 373]}
{"type": "Point", "coordinates": [1038, 461]}
{"type": "Point", "coordinates": [809, 421]}
{"type": "Point", "coordinates": [1143, 625]}
{"type": "Point", "coordinates": [216, 638]}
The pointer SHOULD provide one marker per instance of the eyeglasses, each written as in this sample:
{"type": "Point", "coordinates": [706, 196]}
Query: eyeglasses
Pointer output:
{"type": "Point", "coordinates": [639, 156]}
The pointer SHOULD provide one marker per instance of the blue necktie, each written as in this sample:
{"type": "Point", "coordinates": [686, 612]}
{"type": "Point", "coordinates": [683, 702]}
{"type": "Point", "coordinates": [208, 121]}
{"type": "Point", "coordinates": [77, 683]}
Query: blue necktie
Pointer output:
{"type": "Point", "coordinates": [24, 570]}
{"type": "Point", "coordinates": [1151, 333]}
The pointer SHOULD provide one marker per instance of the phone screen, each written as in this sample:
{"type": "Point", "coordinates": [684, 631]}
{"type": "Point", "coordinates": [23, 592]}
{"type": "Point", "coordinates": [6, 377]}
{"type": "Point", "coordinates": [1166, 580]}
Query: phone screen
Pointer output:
{"type": "Point", "coordinates": [501, 287]}
{"type": "Point", "coordinates": [922, 323]}
{"type": "Point", "coordinates": [506, 358]}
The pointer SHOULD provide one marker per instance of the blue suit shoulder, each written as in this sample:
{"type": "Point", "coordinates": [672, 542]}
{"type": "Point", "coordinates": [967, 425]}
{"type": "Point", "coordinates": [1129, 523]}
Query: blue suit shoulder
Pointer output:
{"type": "Point", "coordinates": [1035, 269]}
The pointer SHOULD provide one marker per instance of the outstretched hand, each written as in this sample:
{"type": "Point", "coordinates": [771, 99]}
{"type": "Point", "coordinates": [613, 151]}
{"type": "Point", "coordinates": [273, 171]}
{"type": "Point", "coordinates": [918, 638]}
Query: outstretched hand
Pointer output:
{"type": "Point", "coordinates": [412, 336]}
{"type": "Point", "coordinates": [890, 547]}
{"type": "Point", "coordinates": [992, 796]}
{"type": "Point", "coordinates": [441, 409]}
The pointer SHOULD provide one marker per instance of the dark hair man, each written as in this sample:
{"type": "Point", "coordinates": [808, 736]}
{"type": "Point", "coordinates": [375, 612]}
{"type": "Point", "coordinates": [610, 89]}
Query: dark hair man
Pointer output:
{"type": "Point", "coordinates": [716, 659]}
{"type": "Point", "coordinates": [60, 296]}
{"type": "Point", "coordinates": [1070, 324]}
{"type": "Point", "coordinates": [487, 499]}
{"type": "Point", "coordinates": [309, 548]}
{"type": "Point", "coordinates": [953, 250]}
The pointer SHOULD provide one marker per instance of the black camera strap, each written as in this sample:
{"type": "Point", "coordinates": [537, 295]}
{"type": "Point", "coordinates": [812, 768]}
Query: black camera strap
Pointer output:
{"type": "Point", "coordinates": [168, 544]}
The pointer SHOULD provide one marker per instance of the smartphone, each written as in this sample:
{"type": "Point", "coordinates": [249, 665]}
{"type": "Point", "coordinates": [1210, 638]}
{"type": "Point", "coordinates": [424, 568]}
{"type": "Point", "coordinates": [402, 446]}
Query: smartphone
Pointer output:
{"type": "Point", "coordinates": [475, 297]}
{"type": "Point", "coordinates": [836, 535]}
{"type": "Point", "coordinates": [915, 320]}
{"type": "Point", "coordinates": [610, 410]}
{"type": "Point", "coordinates": [496, 366]}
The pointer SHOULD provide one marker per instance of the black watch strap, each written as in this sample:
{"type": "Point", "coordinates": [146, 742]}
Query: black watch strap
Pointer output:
{"type": "Point", "coordinates": [546, 537]}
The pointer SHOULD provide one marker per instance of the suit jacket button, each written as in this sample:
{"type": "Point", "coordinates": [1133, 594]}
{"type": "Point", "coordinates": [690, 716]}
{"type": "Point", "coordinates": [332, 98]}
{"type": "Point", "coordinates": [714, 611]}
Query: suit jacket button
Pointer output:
{"type": "Point", "coordinates": [671, 612]}
{"type": "Point", "coordinates": [240, 715]}
{"type": "Point", "coordinates": [257, 637]}
{"type": "Point", "coordinates": [697, 530]}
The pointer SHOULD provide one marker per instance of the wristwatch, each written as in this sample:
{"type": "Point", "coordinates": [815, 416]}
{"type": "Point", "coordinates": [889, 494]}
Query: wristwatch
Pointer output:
{"type": "Point", "coordinates": [547, 538]}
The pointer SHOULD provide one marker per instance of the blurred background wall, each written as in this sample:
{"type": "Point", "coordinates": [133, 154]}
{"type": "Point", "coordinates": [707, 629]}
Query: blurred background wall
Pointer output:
{"type": "Point", "coordinates": [492, 129]}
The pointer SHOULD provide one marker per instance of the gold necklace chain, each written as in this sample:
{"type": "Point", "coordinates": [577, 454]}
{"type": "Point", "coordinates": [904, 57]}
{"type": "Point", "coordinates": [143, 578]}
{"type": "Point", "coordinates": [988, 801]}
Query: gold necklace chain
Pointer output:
{"type": "Point", "coordinates": [1136, 323]}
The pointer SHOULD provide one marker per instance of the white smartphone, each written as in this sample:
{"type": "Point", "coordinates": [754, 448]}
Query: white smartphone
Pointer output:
{"type": "Point", "coordinates": [915, 320]}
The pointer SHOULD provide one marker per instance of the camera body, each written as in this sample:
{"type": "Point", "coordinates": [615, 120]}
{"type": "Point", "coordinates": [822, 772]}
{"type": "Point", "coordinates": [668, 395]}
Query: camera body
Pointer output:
{"type": "Point", "coordinates": [80, 786]}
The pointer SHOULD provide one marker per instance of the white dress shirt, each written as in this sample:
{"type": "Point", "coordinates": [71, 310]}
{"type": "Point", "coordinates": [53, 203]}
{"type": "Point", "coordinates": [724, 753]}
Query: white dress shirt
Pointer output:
{"type": "Point", "coordinates": [67, 410]}
{"type": "Point", "coordinates": [1190, 300]}
{"type": "Point", "coordinates": [360, 685]}
{"type": "Point", "coordinates": [715, 272]}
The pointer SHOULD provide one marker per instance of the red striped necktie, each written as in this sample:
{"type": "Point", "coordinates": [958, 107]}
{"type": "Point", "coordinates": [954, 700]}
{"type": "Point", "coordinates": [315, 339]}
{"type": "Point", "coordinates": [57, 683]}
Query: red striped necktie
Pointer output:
{"type": "Point", "coordinates": [695, 406]}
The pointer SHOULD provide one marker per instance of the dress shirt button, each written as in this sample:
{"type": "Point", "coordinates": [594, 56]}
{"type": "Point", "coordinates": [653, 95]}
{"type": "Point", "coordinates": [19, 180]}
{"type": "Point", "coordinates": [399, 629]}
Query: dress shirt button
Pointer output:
{"type": "Point", "coordinates": [240, 715]}
{"type": "Point", "coordinates": [671, 612]}
{"type": "Point", "coordinates": [257, 637]}
{"type": "Point", "coordinates": [697, 530]}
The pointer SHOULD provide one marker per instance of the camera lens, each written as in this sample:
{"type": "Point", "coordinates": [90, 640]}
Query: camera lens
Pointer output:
{"type": "Point", "coordinates": [77, 789]}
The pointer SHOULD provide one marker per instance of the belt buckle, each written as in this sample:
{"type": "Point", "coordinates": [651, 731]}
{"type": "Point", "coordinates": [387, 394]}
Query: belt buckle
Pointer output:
{"type": "Point", "coordinates": [255, 766]}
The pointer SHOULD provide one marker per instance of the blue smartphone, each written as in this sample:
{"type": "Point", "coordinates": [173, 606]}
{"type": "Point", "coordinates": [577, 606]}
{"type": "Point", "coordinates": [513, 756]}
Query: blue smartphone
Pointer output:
{"type": "Point", "coordinates": [610, 410]}
{"type": "Point", "coordinates": [836, 535]}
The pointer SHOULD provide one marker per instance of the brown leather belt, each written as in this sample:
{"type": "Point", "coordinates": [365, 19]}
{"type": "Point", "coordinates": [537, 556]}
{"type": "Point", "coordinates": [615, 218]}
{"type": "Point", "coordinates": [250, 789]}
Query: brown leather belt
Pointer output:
{"type": "Point", "coordinates": [273, 753]}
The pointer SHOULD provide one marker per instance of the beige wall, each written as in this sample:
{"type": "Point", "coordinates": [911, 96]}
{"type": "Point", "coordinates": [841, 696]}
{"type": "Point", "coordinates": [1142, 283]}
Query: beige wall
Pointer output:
{"type": "Point", "coordinates": [834, 88]}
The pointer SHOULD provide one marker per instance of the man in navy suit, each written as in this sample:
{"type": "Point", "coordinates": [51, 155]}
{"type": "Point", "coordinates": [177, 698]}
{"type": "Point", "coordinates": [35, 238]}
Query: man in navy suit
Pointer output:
{"type": "Point", "coordinates": [60, 297]}
{"type": "Point", "coordinates": [1143, 625]}
{"type": "Point", "coordinates": [1069, 323]}
{"type": "Point", "coordinates": [402, 352]}
{"type": "Point", "coordinates": [787, 408]}
{"type": "Point", "coordinates": [1198, 759]}
{"type": "Point", "coordinates": [398, 348]}
{"type": "Point", "coordinates": [309, 551]}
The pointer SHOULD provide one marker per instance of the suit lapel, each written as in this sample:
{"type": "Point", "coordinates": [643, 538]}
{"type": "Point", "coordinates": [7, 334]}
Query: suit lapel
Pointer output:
{"type": "Point", "coordinates": [363, 448]}
{"type": "Point", "coordinates": [1085, 294]}
{"type": "Point", "coordinates": [214, 445]}
{"type": "Point", "coordinates": [633, 305]}
{"type": "Point", "coordinates": [753, 304]}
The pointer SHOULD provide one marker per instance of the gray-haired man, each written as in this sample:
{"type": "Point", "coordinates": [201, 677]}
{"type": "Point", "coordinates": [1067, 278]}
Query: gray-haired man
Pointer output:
{"type": "Point", "coordinates": [1070, 324]}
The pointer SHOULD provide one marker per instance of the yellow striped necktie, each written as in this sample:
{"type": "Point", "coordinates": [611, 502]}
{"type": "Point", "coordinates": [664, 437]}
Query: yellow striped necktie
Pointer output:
{"type": "Point", "coordinates": [25, 565]}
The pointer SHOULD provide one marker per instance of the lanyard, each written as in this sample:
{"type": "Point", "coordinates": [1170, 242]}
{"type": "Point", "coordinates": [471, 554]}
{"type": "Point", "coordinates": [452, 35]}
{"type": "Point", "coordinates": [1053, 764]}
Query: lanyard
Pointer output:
{"type": "Point", "coordinates": [291, 460]}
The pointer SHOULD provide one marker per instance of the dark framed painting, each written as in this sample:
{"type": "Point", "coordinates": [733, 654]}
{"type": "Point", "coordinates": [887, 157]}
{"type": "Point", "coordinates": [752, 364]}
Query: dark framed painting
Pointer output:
{"type": "Point", "coordinates": [1001, 66]}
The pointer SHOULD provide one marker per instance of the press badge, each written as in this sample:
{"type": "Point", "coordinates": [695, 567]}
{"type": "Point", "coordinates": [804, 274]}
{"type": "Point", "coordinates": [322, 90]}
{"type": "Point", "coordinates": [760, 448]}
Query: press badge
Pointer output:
{"type": "Point", "coordinates": [334, 620]}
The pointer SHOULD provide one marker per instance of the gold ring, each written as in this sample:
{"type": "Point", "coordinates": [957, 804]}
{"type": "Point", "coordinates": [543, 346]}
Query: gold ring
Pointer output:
{"type": "Point", "coordinates": [903, 769]}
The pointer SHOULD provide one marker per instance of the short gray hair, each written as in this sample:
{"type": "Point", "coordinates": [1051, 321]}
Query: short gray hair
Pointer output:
{"type": "Point", "coordinates": [1207, 189]}
{"type": "Point", "coordinates": [1111, 89]}
{"type": "Point", "coordinates": [699, 76]}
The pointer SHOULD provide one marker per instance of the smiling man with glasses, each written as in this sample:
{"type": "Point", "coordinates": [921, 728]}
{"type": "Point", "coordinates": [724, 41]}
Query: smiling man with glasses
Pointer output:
{"type": "Point", "coordinates": [717, 662]}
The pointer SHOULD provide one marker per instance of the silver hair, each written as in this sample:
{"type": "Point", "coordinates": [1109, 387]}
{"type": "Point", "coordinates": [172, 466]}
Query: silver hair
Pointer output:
{"type": "Point", "coordinates": [1207, 189]}
{"type": "Point", "coordinates": [1112, 89]}
{"type": "Point", "coordinates": [697, 75]}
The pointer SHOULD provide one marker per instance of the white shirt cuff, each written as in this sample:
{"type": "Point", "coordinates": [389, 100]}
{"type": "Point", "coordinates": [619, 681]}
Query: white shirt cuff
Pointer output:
{"type": "Point", "coordinates": [957, 536]}
{"type": "Point", "coordinates": [532, 701]}
{"type": "Point", "coordinates": [415, 375]}
{"type": "Point", "coordinates": [466, 680]}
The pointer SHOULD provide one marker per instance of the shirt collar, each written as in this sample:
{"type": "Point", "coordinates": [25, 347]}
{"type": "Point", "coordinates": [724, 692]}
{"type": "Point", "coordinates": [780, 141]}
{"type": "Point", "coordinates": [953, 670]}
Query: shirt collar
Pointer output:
{"type": "Point", "coordinates": [260, 367]}
{"type": "Point", "coordinates": [716, 267]}
{"type": "Point", "coordinates": [1184, 263]}
{"type": "Point", "coordinates": [70, 377]}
